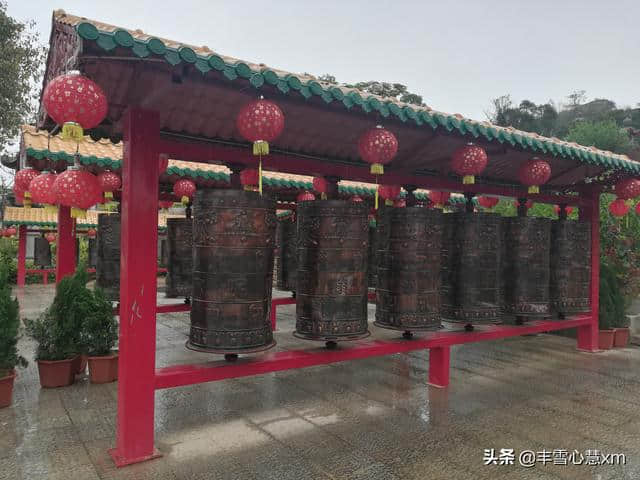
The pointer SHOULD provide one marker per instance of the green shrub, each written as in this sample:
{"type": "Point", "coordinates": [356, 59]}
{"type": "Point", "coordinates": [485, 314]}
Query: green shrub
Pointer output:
{"type": "Point", "coordinates": [9, 327]}
{"type": "Point", "coordinates": [100, 329]}
{"type": "Point", "coordinates": [612, 303]}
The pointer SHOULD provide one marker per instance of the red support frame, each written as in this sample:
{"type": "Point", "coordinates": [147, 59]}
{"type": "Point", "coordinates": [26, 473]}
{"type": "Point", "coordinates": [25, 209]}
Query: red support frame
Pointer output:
{"type": "Point", "coordinates": [22, 255]}
{"type": "Point", "coordinates": [138, 264]}
{"type": "Point", "coordinates": [66, 252]}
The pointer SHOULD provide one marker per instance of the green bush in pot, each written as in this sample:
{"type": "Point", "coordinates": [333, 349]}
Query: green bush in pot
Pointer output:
{"type": "Point", "coordinates": [99, 336]}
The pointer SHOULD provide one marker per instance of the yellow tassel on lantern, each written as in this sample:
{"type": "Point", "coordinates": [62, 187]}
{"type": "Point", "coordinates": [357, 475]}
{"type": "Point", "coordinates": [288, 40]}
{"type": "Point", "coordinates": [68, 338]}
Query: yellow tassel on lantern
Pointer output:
{"type": "Point", "coordinates": [249, 188]}
{"type": "Point", "coordinates": [26, 203]}
{"type": "Point", "coordinates": [533, 189]}
{"type": "Point", "coordinates": [388, 202]}
{"type": "Point", "coordinates": [260, 171]}
{"type": "Point", "coordinates": [78, 213]}
{"type": "Point", "coordinates": [260, 147]}
{"type": "Point", "coordinates": [468, 180]}
{"type": "Point", "coordinates": [50, 209]}
{"type": "Point", "coordinates": [108, 195]}
{"type": "Point", "coordinates": [377, 169]}
{"type": "Point", "coordinates": [185, 200]}
{"type": "Point", "coordinates": [72, 131]}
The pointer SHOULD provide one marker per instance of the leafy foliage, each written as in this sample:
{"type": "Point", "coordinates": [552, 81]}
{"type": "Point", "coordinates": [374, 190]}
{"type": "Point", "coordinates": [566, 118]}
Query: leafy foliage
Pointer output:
{"type": "Point", "coordinates": [394, 91]}
{"type": "Point", "coordinates": [527, 116]}
{"type": "Point", "coordinates": [611, 299]}
{"type": "Point", "coordinates": [21, 60]}
{"type": "Point", "coordinates": [9, 327]}
{"type": "Point", "coordinates": [605, 135]}
{"type": "Point", "coordinates": [100, 329]}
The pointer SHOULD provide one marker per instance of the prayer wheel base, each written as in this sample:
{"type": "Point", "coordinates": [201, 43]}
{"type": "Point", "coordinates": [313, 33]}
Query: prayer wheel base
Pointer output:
{"type": "Point", "coordinates": [332, 338]}
{"type": "Point", "coordinates": [408, 328]}
{"type": "Point", "coordinates": [227, 352]}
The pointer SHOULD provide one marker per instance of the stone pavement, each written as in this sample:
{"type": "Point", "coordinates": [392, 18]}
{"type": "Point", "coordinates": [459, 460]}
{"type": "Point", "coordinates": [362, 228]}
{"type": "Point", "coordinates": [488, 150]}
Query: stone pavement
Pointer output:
{"type": "Point", "coordinates": [367, 419]}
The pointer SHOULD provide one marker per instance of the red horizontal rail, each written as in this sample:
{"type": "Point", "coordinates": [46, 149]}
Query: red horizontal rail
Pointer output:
{"type": "Point", "coordinates": [51, 270]}
{"type": "Point", "coordinates": [180, 375]}
{"type": "Point", "coordinates": [169, 308]}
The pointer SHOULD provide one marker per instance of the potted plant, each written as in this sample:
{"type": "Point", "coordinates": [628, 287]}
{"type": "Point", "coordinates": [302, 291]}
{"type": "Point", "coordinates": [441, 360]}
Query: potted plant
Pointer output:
{"type": "Point", "coordinates": [611, 306]}
{"type": "Point", "coordinates": [9, 326]}
{"type": "Point", "coordinates": [99, 335]}
{"type": "Point", "coordinates": [58, 330]}
{"type": "Point", "coordinates": [621, 337]}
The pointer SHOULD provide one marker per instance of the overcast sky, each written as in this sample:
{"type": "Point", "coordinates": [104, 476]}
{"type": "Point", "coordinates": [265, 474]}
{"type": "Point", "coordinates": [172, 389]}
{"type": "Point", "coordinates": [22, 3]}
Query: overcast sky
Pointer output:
{"type": "Point", "coordinates": [457, 54]}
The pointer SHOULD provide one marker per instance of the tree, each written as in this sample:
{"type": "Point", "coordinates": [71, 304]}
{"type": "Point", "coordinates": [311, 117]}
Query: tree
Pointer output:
{"type": "Point", "coordinates": [395, 91]}
{"type": "Point", "coordinates": [527, 116]}
{"type": "Point", "coordinates": [21, 62]}
{"type": "Point", "coordinates": [605, 135]}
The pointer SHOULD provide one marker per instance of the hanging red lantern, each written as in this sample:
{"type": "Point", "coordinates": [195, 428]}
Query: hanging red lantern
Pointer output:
{"type": "Point", "coordinates": [164, 163]}
{"type": "Point", "coordinates": [533, 173]}
{"type": "Point", "coordinates": [400, 203]}
{"type": "Point", "coordinates": [109, 183]}
{"type": "Point", "coordinates": [627, 188]}
{"type": "Point", "coordinates": [76, 103]}
{"type": "Point", "coordinates": [356, 199]}
{"type": "Point", "coordinates": [260, 122]}
{"type": "Point", "coordinates": [306, 196]}
{"type": "Point", "coordinates": [439, 199]}
{"type": "Point", "coordinates": [556, 208]}
{"type": "Point", "coordinates": [18, 195]}
{"type": "Point", "coordinates": [165, 204]}
{"type": "Point", "coordinates": [469, 161]}
{"type": "Point", "coordinates": [249, 177]}
{"type": "Point", "coordinates": [77, 188]}
{"type": "Point", "coordinates": [91, 233]}
{"type": "Point", "coordinates": [41, 190]}
{"type": "Point", "coordinates": [488, 202]}
{"type": "Point", "coordinates": [3, 232]}
{"type": "Point", "coordinates": [389, 193]}
{"type": "Point", "coordinates": [22, 182]}
{"type": "Point", "coordinates": [619, 207]}
{"type": "Point", "coordinates": [184, 189]}
{"type": "Point", "coordinates": [321, 186]}
{"type": "Point", "coordinates": [11, 231]}
{"type": "Point", "coordinates": [638, 208]}
{"type": "Point", "coordinates": [50, 236]}
{"type": "Point", "coordinates": [377, 147]}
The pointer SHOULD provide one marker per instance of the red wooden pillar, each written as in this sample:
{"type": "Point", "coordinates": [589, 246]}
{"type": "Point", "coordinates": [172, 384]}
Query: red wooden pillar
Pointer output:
{"type": "Point", "coordinates": [66, 251]}
{"type": "Point", "coordinates": [138, 243]}
{"type": "Point", "coordinates": [588, 334]}
{"type": "Point", "coordinates": [22, 254]}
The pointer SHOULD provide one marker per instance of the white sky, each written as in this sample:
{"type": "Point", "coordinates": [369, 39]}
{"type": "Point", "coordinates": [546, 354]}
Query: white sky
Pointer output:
{"type": "Point", "coordinates": [457, 54]}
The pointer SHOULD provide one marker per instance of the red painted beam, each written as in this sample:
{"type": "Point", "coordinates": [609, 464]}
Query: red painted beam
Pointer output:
{"type": "Point", "coordinates": [176, 307]}
{"type": "Point", "coordinates": [181, 375]}
{"type": "Point", "coordinates": [204, 152]}
{"type": "Point", "coordinates": [66, 252]}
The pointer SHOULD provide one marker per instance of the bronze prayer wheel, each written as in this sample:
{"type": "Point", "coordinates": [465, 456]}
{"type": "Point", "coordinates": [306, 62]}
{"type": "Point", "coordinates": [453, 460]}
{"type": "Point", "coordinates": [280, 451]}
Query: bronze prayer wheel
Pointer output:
{"type": "Point", "coordinates": [180, 257]}
{"type": "Point", "coordinates": [287, 262]}
{"type": "Point", "coordinates": [470, 270]}
{"type": "Point", "coordinates": [372, 253]}
{"type": "Point", "coordinates": [408, 290]}
{"type": "Point", "coordinates": [527, 276]}
{"type": "Point", "coordinates": [108, 264]}
{"type": "Point", "coordinates": [570, 266]}
{"type": "Point", "coordinates": [233, 243]}
{"type": "Point", "coordinates": [92, 252]}
{"type": "Point", "coordinates": [331, 293]}
{"type": "Point", "coordinates": [41, 252]}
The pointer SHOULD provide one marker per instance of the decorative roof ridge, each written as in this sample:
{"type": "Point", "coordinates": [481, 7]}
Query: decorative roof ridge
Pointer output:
{"type": "Point", "coordinates": [34, 131]}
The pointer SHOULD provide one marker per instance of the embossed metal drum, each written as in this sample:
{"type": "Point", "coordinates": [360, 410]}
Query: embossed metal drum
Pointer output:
{"type": "Point", "coordinates": [372, 261]}
{"type": "Point", "coordinates": [527, 276]}
{"type": "Point", "coordinates": [41, 252]}
{"type": "Point", "coordinates": [92, 252]}
{"type": "Point", "coordinates": [179, 256]}
{"type": "Point", "coordinates": [164, 253]}
{"type": "Point", "coordinates": [108, 265]}
{"type": "Point", "coordinates": [333, 240]}
{"type": "Point", "coordinates": [570, 266]}
{"type": "Point", "coordinates": [233, 243]}
{"type": "Point", "coordinates": [287, 262]}
{"type": "Point", "coordinates": [408, 291]}
{"type": "Point", "coordinates": [471, 259]}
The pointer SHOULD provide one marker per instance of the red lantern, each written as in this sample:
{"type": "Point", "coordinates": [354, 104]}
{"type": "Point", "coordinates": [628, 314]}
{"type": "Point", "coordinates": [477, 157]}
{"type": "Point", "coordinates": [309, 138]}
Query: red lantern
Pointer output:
{"type": "Point", "coordinates": [400, 203]}
{"type": "Point", "coordinates": [78, 189]}
{"type": "Point", "coordinates": [306, 196]}
{"type": "Point", "coordinates": [377, 146]}
{"type": "Point", "coordinates": [51, 237]}
{"type": "Point", "coordinates": [260, 122]}
{"type": "Point", "coordinates": [556, 208]}
{"type": "Point", "coordinates": [184, 189]}
{"type": "Point", "coordinates": [109, 183]}
{"type": "Point", "coordinates": [41, 190]}
{"type": "Point", "coordinates": [469, 161]}
{"type": "Point", "coordinates": [91, 233]}
{"type": "Point", "coordinates": [389, 193]}
{"type": "Point", "coordinates": [249, 177]}
{"type": "Point", "coordinates": [638, 208]}
{"type": "Point", "coordinates": [164, 163]}
{"type": "Point", "coordinates": [533, 173]}
{"type": "Point", "coordinates": [356, 199]}
{"type": "Point", "coordinates": [627, 188]}
{"type": "Point", "coordinates": [11, 231]}
{"type": "Point", "coordinates": [439, 199]}
{"type": "Point", "coordinates": [488, 202]}
{"type": "Point", "coordinates": [321, 186]}
{"type": "Point", "coordinates": [18, 195]}
{"type": "Point", "coordinates": [22, 182]}
{"type": "Point", "coordinates": [165, 204]}
{"type": "Point", "coordinates": [76, 103]}
{"type": "Point", "coordinates": [619, 207]}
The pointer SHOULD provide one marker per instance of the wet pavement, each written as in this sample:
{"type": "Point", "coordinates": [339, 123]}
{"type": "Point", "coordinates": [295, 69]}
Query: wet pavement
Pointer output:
{"type": "Point", "coordinates": [365, 419]}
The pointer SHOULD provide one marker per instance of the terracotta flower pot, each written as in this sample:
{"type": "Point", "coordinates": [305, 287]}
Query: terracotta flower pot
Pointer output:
{"type": "Point", "coordinates": [103, 369]}
{"type": "Point", "coordinates": [6, 389]}
{"type": "Point", "coordinates": [621, 338]}
{"type": "Point", "coordinates": [80, 364]}
{"type": "Point", "coordinates": [605, 339]}
{"type": "Point", "coordinates": [58, 373]}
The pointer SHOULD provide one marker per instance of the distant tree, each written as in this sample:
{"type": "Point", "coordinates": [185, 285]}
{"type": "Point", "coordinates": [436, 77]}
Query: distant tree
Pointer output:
{"type": "Point", "coordinates": [21, 61]}
{"type": "Point", "coordinates": [527, 116]}
{"type": "Point", "coordinates": [327, 78]}
{"type": "Point", "coordinates": [577, 97]}
{"type": "Point", "coordinates": [395, 91]}
{"type": "Point", "coordinates": [605, 135]}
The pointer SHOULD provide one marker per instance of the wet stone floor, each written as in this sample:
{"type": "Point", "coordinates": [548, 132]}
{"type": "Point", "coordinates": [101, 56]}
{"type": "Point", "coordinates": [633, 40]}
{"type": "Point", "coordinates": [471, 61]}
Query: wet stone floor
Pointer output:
{"type": "Point", "coordinates": [366, 419]}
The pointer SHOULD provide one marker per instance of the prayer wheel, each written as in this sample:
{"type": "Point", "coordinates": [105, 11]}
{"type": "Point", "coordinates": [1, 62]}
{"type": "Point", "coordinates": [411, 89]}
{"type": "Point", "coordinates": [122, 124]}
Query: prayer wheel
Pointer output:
{"type": "Point", "coordinates": [527, 276]}
{"type": "Point", "coordinates": [331, 294]}
{"type": "Point", "coordinates": [233, 244]}
{"type": "Point", "coordinates": [372, 261]}
{"type": "Point", "coordinates": [408, 290]}
{"type": "Point", "coordinates": [41, 252]}
{"type": "Point", "coordinates": [164, 253]}
{"type": "Point", "coordinates": [179, 257]}
{"type": "Point", "coordinates": [503, 265]}
{"type": "Point", "coordinates": [92, 252]}
{"type": "Point", "coordinates": [570, 266]}
{"type": "Point", "coordinates": [108, 262]}
{"type": "Point", "coordinates": [287, 262]}
{"type": "Point", "coordinates": [470, 270]}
